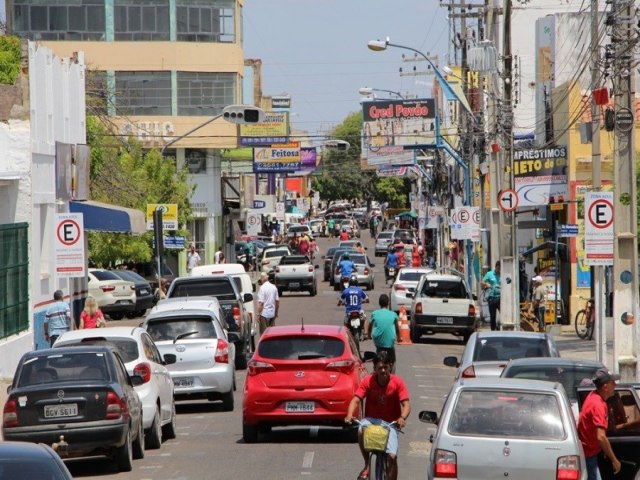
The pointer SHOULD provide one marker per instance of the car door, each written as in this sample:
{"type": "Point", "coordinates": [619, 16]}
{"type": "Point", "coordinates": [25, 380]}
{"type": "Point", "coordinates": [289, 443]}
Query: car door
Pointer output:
{"type": "Point", "coordinates": [131, 396]}
{"type": "Point", "coordinates": [161, 376]}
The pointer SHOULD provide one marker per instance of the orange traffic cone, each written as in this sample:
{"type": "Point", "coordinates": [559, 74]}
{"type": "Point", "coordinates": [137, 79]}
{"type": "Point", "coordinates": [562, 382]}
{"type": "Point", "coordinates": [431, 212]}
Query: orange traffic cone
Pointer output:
{"type": "Point", "coordinates": [405, 333]}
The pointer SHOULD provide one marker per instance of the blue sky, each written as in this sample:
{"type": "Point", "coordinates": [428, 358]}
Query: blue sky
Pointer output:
{"type": "Point", "coordinates": [316, 51]}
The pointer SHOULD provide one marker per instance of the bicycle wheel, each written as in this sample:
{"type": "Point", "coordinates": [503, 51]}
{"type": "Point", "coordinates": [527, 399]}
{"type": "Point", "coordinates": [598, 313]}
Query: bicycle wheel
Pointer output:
{"type": "Point", "coordinates": [378, 466]}
{"type": "Point", "coordinates": [590, 326]}
{"type": "Point", "coordinates": [582, 329]}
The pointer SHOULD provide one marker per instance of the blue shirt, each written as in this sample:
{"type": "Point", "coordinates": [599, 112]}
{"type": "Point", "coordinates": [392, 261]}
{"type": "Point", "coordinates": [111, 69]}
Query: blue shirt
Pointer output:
{"type": "Point", "coordinates": [493, 279]}
{"type": "Point", "coordinates": [392, 260]}
{"type": "Point", "coordinates": [58, 318]}
{"type": "Point", "coordinates": [353, 297]}
{"type": "Point", "coordinates": [346, 267]}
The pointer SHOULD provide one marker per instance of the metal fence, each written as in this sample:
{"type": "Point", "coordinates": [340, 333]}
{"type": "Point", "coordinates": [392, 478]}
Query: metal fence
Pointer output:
{"type": "Point", "coordinates": [14, 279]}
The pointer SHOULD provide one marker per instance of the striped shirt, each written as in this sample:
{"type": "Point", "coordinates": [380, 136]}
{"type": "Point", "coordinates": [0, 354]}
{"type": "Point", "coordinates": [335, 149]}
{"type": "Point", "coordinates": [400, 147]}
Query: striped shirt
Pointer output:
{"type": "Point", "coordinates": [58, 318]}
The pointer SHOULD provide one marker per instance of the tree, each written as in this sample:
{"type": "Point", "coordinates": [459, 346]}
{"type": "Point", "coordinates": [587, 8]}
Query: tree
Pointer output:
{"type": "Point", "coordinates": [123, 173]}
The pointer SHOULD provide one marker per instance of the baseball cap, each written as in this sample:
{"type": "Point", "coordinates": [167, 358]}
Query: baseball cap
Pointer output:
{"type": "Point", "coordinates": [537, 278]}
{"type": "Point", "coordinates": [603, 375]}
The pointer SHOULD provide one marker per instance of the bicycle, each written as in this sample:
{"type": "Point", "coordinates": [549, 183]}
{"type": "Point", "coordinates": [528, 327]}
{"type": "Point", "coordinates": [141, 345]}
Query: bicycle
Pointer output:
{"type": "Point", "coordinates": [585, 320]}
{"type": "Point", "coordinates": [376, 447]}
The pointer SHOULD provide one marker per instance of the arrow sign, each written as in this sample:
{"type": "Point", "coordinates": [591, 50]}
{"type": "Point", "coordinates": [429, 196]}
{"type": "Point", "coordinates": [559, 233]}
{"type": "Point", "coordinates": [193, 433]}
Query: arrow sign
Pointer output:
{"type": "Point", "coordinates": [508, 200]}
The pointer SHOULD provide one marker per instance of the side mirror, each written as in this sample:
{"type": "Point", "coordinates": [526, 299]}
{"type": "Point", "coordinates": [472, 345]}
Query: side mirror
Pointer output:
{"type": "Point", "coordinates": [247, 297]}
{"type": "Point", "coordinates": [475, 297]}
{"type": "Point", "coordinates": [316, 267]}
{"type": "Point", "coordinates": [372, 264]}
{"type": "Point", "coordinates": [427, 416]}
{"type": "Point", "coordinates": [136, 380]}
{"type": "Point", "coordinates": [451, 362]}
{"type": "Point", "coordinates": [233, 337]}
{"type": "Point", "coordinates": [169, 358]}
{"type": "Point", "coordinates": [410, 294]}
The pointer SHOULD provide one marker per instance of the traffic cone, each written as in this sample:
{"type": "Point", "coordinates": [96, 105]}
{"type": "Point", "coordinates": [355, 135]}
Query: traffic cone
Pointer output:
{"type": "Point", "coordinates": [405, 333]}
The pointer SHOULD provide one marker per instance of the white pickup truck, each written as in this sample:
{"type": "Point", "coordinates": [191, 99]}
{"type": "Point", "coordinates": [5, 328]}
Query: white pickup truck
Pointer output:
{"type": "Point", "coordinates": [296, 273]}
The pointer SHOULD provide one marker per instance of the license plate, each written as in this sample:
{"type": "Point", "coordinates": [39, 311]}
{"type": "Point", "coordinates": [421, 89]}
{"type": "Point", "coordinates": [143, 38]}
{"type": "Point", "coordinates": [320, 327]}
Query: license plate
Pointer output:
{"type": "Point", "coordinates": [294, 285]}
{"type": "Point", "coordinates": [299, 407]}
{"type": "Point", "coordinates": [123, 301]}
{"type": "Point", "coordinates": [444, 320]}
{"type": "Point", "coordinates": [63, 410]}
{"type": "Point", "coordinates": [183, 382]}
{"type": "Point", "coordinates": [355, 322]}
{"type": "Point", "coordinates": [144, 291]}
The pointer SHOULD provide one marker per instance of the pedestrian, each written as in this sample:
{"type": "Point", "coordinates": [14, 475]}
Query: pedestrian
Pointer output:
{"type": "Point", "coordinates": [268, 301]}
{"type": "Point", "coordinates": [384, 329]}
{"type": "Point", "coordinates": [303, 245]}
{"type": "Point", "coordinates": [537, 300]}
{"type": "Point", "coordinates": [193, 258]}
{"type": "Point", "coordinates": [313, 248]}
{"type": "Point", "coordinates": [57, 318]}
{"type": "Point", "coordinates": [344, 236]}
{"type": "Point", "coordinates": [416, 259]}
{"type": "Point", "coordinates": [161, 291]}
{"type": "Point", "coordinates": [594, 421]}
{"type": "Point", "coordinates": [324, 228]}
{"type": "Point", "coordinates": [92, 316]}
{"type": "Point", "coordinates": [453, 254]}
{"type": "Point", "coordinates": [217, 255]}
{"type": "Point", "coordinates": [491, 283]}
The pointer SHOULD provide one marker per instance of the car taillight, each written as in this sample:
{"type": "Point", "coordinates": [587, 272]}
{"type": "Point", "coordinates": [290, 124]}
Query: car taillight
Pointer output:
{"type": "Point", "coordinates": [144, 370]}
{"type": "Point", "coordinates": [116, 406]}
{"type": "Point", "coordinates": [310, 269]}
{"type": "Point", "coordinates": [399, 286]}
{"type": "Point", "coordinates": [568, 468]}
{"type": "Point", "coordinates": [10, 414]}
{"type": "Point", "coordinates": [445, 464]}
{"type": "Point", "coordinates": [469, 372]}
{"type": "Point", "coordinates": [366, 271]}
{"type": "Point", "coordinates": [222, 352]}
{"type": "Point", "coordinates": [472, 310]}
{"type": "Point", "coordinates": [107, 288]}
{"type": "Point", "coordinates": [256, 368]}
{"type": "Point", "coordinates": [418, 308]}
{"type": "Point", "coordinates": [132, 287]}
{"type": "Point", "coordinates": [277, 269]}
{"type": "Point", "coordinates": [342, 366]}
{"type": "Point", "coordinates": [236, 315]}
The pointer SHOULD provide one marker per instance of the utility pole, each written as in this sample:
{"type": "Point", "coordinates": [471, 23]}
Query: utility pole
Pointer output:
{"type": "Point", "coordinates": [625, 246]}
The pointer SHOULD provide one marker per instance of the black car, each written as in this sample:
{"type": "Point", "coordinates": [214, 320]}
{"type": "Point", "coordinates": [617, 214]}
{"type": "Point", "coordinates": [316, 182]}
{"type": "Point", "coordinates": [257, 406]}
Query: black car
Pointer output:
{"type": "Point", "coordinates": [78, 400]}
{"type": "Point", "coordinates": [144, 292]}
{"type": "Point", "coordinates": [29, 461]}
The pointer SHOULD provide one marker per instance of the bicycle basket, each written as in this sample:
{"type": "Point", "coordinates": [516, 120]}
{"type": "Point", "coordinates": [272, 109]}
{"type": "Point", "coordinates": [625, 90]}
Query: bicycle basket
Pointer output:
{"type": "Point", "coordinates": [375, 438]}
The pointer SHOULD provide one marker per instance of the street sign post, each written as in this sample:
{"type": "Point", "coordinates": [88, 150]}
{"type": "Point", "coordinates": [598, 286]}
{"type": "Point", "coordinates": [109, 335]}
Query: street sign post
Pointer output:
{"type": "Point", "coordinates": [70, 258]}
{"type": "Point", "coordinates": [598, 228]}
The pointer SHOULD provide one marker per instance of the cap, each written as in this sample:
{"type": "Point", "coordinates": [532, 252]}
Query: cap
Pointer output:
{"type": "Point", "coordinates": [537, 278]}
{"type": "Point", "coordinates": [603, 375]}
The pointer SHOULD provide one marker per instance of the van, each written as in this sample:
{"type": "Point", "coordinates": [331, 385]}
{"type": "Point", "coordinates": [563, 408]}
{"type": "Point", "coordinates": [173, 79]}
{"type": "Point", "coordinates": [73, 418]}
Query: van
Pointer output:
{"type": "Point", "coordinates": [242, 280]}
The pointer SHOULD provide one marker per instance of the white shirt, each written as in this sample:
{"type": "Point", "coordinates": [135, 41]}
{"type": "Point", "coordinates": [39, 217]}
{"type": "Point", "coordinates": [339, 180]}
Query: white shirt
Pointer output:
{"type": "Point", "coordinates": [268, 296]}
{"type": "Point", "coordinates": [193, 260]}
{"type": "Point", "coordinates": [216, 257]}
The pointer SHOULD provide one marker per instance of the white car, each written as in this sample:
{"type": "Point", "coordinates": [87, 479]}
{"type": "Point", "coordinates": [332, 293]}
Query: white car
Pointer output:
{"type": "Point", "coordinates": [141, 357]}
{"type": "Point", "coordinates": [406, 281]}
{"type": "Point", "coordinates": [114, 295]}
{"type": "Point", "coordinates": [316, 227]}
{"type": "Point", "coordinates": [271, 257]}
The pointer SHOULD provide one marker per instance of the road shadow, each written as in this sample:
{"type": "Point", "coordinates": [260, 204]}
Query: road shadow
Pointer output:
{"type": "Point", "coordinates": [306, 435]}
{"type": "Point", "coordinates": [193, 407]}
{"type": "Point", "coordinates": [92, 467]}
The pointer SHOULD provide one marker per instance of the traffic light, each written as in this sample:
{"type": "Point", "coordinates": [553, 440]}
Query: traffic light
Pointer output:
{"type": "Point", "coordinates": [243, 114]}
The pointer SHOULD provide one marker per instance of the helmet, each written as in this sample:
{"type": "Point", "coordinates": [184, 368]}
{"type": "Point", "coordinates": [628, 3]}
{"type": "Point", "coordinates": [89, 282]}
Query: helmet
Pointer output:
{"type": "Point", "coordinates": [345, 256]}
{"type": "Point", "coordinates": [353, 281]}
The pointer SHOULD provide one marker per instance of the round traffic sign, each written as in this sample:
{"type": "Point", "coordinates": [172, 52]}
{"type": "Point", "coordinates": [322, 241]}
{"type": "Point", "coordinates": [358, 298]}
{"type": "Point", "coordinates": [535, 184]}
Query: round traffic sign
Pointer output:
{"type": "Point", "coordinates": [624, 119]}
{"type": "Point", "coordinates": [508, 200]}
{"type": "Point", "coordinates": [600, 213]}
{"type": "Point", "coordinates": [476, 217]}
{"type": "Point", "coordinates": [68, 232]}
{"type": "Point", "coordinates": [463, 215]}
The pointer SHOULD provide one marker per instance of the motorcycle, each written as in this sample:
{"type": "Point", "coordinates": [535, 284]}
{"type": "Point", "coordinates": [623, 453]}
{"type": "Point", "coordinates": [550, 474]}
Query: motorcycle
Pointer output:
{"type": "Point", "coordinates": [391, 274]}
{"type": "Point", "coordinates": [355, 323]}
{"type": "Point", "coordinates": [344, 283]}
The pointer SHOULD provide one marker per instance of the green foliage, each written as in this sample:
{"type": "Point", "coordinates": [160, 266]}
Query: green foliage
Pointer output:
{"type": "Point", "coordinates": [10, 52]}
{"type": "Point", "coordinates": [394, 190]}
{"type": "Point", "coordinates": [123, 173]}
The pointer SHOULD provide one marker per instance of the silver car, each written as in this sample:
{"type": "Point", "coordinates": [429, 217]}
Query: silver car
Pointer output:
{"type": "Point", "coordinates": [505, 428]}
{"type": "Point", "coordinates": [406, 282]}
{"type": "Point", "coordinates": [192, 329]}
{"type": "Point", "coordinates": [487, 353]}
{"type": "Point", "coordinates": [383, 240]}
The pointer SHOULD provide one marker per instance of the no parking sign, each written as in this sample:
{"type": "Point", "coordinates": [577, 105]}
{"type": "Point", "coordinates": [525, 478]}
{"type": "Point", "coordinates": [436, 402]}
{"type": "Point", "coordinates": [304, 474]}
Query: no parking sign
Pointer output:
{"type": "Point", "coordinates": [598, 228]}
{"type": "Point", "coordinates": [69, 245]}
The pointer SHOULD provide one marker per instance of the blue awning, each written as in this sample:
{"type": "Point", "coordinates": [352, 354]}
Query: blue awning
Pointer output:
{"type": "Point", "coordinates": [103, 217]}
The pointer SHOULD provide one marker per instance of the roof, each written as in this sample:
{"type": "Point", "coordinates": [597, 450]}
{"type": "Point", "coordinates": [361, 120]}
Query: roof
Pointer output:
{"type": "Point", "coordinates": [445, 276]}
{"type": "Point", "coordinates": [554, 362]}
{"type": "Point", "coordinates": [311, 329]}
{"type": "Point", "coordinates": [507, 333]}
{"type": "Point", "coordinates": [507, 383]}
{"type": "Point", "coordinates": [24, 449]}
{"type": "Point", "coordinates": [101, 332]}
{"type": "Point", "coordinates": [63, 350]}
{"type": "Point", "coordinates": [185, 303]}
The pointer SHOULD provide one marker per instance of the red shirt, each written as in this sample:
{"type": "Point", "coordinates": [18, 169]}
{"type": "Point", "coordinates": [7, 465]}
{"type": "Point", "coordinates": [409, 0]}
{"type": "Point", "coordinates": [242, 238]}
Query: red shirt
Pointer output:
{"type": "Point", "coordinates": [594, 414]}
{"type": "Point", "coordinates": [88, 321]}
{"type": "Point", "coordinates": [382, 402]}
{"type": "Point", "coordinates": [344, 236]}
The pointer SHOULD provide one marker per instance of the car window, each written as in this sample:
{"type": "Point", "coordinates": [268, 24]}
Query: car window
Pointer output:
{"type": "Point", "coordinates": [569, 376]}
{"type": "Point", "coordinates": [276, 253]}
{"type": "Point", "coordinates": [293, 260]}
{"type": "Point", "coordinates": [67, 367]}
{"type": "Point", "coordinates": [444, 289]}
{"type": "Point", "coordinates": [220, 288]}
{"type": "Point", "coordinates": [169, 328]}
{"type": "Point", "coordinates": [105, 275]}
{"type": "Point", "coordinates": [385, 236]}
{"type": "Point", "coordinates": [126, 347]}
{"type": "Point", "coordinates": [300, 348]}
{"type": "Point", "coordinates": [29, 468]}
{"type": "Point", "coordinates": [498, 413]}
{"type": "Point", "coordinates": [330, 252]}
{"type": "Point", "coordinates": [410, 276]}
{"type": "Point", "coordinates": [151, 347]}
{"type": "Point", "coordinates": [359, 259]}
{"type": "Point", "coordinates": [121, 371]}
{"type": "Point", "coordinates": [505, 349]}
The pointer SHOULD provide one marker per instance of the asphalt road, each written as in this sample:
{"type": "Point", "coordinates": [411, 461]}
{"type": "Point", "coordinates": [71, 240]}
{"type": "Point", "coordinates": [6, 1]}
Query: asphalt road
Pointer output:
{"type": "Point", "coordinates": [209, 443]}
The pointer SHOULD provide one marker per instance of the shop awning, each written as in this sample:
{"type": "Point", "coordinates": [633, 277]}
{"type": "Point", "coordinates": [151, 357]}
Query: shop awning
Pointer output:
{"type": "Point", "coordinates": [103, 217]}
{"type": "Point", "coordinates": [408, 214]}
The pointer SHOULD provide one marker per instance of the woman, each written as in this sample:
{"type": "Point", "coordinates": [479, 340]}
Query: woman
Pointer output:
{"type": "Point", "coordinates": [91, 316]}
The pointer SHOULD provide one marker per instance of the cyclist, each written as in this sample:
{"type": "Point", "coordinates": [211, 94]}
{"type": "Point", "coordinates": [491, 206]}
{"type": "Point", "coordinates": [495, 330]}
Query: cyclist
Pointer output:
{"type": "Point", "coordinates": [352, 298]}
{"type": "Point", "coordinates": [385, 327]}
{"type": "Point", "coordinates": [387, 399]}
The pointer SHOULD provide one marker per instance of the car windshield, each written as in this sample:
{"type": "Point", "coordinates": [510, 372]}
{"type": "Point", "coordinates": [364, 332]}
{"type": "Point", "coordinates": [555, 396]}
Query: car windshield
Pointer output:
{"type": "Point", "coordinates": [507, 348]}
{"type": "Point", "coordinates": [66, 367]}
{"type": "Point", "coordinates": [162, 329]}
{"type": "Point", "coordinates": [222, 289]}
{"type": "Point", "coordinates": [300, 348]}
{"type": "Point", "coordinates": [276, 253]}
{"type": "Point", "coordinates": [127, 347]}
{"type": "Point", "coordinates": [439, 288]}
{"type": "Point", "coordinates": [410, 276]}
{"type": "Point", "coordinates": [385, 236]}
{"type": "Point", "coordinates": [569, 376]}
{"type": "Point", "coordinates": [358, 259]}
{"type": "Point", "coordinates": [330, 252]}
{"type": "Point", "coordinates": [132, 276]}
{"type": "Point", "coordinates": [496, 413]}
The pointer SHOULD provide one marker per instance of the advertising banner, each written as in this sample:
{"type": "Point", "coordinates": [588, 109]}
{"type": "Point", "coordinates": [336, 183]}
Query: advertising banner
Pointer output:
{"type": "Point", "coordinates": [274, 130]}
{"type": "Point", "coordinates": [169, 215]}
{"type": "Point", "coordinates": [387, 155]}
{"type": "Point", "coordinates": [540, 174]}
{"type": "Point", "coordinates": [277, 158]}
{"type": "Point", "coordinates": [308, 159]}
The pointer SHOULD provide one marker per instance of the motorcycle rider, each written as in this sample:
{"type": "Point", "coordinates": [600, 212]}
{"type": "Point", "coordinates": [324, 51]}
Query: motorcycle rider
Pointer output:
{"type": "Point", "coordinates": [352, 298]}
{"type": "Point", "coordinates": [346, 266]}
{"type": "Point", "coordinates": [390, 262]}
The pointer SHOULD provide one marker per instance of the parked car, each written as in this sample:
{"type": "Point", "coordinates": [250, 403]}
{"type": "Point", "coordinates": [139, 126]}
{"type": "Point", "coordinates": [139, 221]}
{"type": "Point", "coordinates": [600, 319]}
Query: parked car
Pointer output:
{"type": "Point", "coordinates": [405, 236]}
{"type": "Point", "coordinates": [192, 328]}
{"type": "Point", "coordinates": [299, 230]}
{"type": "Point", "coordinates": [141, 357]}
{"type": "Point", "coordinates": [383, 240]}
{"type": "Point", "coordinates": [31, 461]}
{"type": "Point", "coordinates": [300, 376]}
{"type": "Point", "coordinates": [316, 227]}
{"type": "Point", "coordinates": [505, 428]}
{"type": "Point", "coordinates": [114, 295]}
{"type": "Point", "coordinates": [442, 303]}
{"type": "Point", "coordinates": [295, 273]}
{"type": "Point", "coordinates": [79, 398]}
{"type": "Point", "coordinates": [406, 282]}
{"type": "Point", "coordinates": [364, 271]}
{"type": "Point", "coordinates": [488, 352]}
{"type": "Point", "coordinates": [272, 255]}
{"type": "Point", "coordinates": [553, 369]}
{"type": "Point", "coordinates": [144, 292]}
{"type": "Point", "coordinates": [149, 271]}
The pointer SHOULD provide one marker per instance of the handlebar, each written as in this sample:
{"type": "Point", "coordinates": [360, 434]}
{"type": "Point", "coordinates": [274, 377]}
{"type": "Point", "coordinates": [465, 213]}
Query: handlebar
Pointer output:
{"type": "Point", "coordinates": [393, 424]}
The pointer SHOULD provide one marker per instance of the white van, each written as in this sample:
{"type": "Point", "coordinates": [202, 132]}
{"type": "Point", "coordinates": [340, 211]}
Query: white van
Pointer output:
{"type": "Point", "coordinates": [243, 282]}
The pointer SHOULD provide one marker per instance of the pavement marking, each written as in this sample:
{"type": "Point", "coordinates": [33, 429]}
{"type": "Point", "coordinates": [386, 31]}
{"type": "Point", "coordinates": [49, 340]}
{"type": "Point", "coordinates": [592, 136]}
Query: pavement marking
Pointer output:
{"type": "Point", "coordinates": [307, 461]}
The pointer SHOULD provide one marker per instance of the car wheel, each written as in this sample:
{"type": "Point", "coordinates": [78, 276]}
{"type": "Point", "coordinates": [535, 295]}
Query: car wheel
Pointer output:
{"type": "Point", "coordinates": [154, 434]}
{"type": "Point", "coordinates": [131, 315]}
{"type": "Point", "coordinates": [415, 335]}
{"type": "Point", "coordinates": [313, 291]}
{"type": "Point", "coordinates": [227, 401]}
{"type": "Point", "coordinates": [138, 445]}
{"type": "Point", "coordinates": [116, 315]}
{"type": "Point", "coordinates": [124, 458]}
{"type": "Point", "coordinates": [169, 431]}
{"type": "Point", "coordinates": [249, 433]}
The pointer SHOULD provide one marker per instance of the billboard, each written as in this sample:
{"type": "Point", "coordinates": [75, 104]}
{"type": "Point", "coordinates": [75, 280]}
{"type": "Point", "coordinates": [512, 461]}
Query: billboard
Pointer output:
{"type": "Point", "coordinates": [539, 174]}
{"type": "Point", "coordinates": [308, 159]}
{"type": "Point", "coordinates": [277, 158]}
{"type": "Point", "coordinates": [274, 130]}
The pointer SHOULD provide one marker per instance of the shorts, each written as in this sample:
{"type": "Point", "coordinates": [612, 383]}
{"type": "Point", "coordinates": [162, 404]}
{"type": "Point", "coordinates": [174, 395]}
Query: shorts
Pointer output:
{"type": "Point", "coordinates": [392, 443]}
{"type": "Point", "coordinates": [266, 322]}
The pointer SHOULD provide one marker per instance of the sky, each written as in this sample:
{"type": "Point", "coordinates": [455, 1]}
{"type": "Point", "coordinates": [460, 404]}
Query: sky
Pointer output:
{"type": "Point", "coordinates": [316, 51]}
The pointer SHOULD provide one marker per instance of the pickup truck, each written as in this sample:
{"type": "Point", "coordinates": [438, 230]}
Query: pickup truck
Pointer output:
{"type": "Point", "coordinates": [295, 273]}
{"type": "Point", "coordinates": [224, 288]}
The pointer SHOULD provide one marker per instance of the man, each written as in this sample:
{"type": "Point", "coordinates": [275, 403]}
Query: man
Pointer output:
{"type": "Point", "coordinates": [193, 258]}
{"type": "Point", "coordinates": [57, 318]}
{"type": "Point", "coordinates": [593, 423]}
{"type": "Point", "coordinates": [346, 266]}
{"type": "Point", "coordinates": [344, 236]}
{"type": "Point", "coordinates": [491, 283]}
{"type": "Point", "coordinates": [268, 301]}
{"type": "Point", "coordinates": [385, 327]}
{"type": "Point", "coordinates": [390, 262]}
{"type": "Point", "coordinates": [537, 301]}
{"type": "Point", "coordinates": [330, 226]}
{"type": "Point", "coordinates": [217, 256]}
{"type": "Point", "coordinates": [352, 298]}
{"type": "Point", "coordinates": [387, 399]}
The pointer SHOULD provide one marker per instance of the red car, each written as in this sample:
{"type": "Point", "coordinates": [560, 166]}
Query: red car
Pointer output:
{"type": "Point", "coordinates": [300, 376]}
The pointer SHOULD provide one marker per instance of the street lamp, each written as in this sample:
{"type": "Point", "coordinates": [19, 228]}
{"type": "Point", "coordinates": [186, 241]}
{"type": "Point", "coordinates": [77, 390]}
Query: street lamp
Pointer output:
{"type": "Point", "coordinates": [367, 91]}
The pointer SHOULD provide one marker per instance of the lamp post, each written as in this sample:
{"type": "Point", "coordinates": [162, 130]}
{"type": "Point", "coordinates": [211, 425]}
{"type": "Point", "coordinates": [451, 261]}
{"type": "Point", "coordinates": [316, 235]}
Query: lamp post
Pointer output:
{"type": "Point", "coordinates": [381, 45]}
{"type": "Point", "coordinates": [367, 91]}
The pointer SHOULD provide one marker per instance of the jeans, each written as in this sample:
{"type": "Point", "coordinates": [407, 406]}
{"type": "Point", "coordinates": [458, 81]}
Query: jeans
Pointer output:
{"type": "Point", "coordinates": [494, 306]}
{"type": "Point", "coordinates": [539, 312]}
{"type": "Point", "coordinates": [592, 468]}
